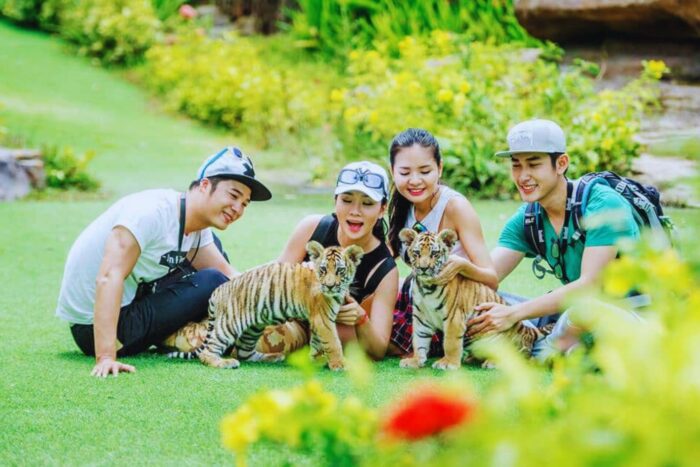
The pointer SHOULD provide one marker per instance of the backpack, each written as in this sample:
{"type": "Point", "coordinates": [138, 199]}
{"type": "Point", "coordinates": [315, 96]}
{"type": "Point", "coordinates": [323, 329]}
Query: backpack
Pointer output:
{"type": "Point", "coordinates": [644, 200]}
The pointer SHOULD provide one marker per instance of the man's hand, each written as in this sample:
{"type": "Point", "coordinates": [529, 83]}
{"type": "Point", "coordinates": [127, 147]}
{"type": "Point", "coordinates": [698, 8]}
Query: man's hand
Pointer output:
{"type": "Point", "coordinates": [494, 318]}
{"type": "Point", "coordinates": [452, 268]}
{"type": "Point", "coordinates": [107, 365]}
{"type": "Point", "coordinates": [351, 312]}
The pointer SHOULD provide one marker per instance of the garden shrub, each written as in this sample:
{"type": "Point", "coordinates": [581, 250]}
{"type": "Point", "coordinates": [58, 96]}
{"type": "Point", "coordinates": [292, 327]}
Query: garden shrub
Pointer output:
{"type": "Point", "coordinates": [632, 398]}
{"type": "Point", "coordinates": [65, 169]}
{"type": "Point", "coordinates": [335, 28]}
{"type": "Point", "coordinates": [227, 82]}
{"type": "Point", "coordinates": [112, 31]}
{"type": "Point", "coordinates": [469, 94]}
{"type": "Point", "coordinates": [24, 12]}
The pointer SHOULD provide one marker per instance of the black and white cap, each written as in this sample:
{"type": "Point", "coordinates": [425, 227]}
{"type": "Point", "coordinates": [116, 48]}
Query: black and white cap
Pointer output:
{"type": "Point", "coordinates": [232, 164]}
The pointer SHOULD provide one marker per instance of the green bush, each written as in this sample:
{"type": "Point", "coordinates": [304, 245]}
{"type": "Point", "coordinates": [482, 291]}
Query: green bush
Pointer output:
{"type": "Point", "coordinates": [65, 170]}
{"type": "Point", "coordinates": [469, 94]}
{"type": "Point", "coordinates": [21, 11]}
{"type": "Point", "coordinates": [336, 27]}
{"type": "Point", "coordinates": [113, 31]}
{"type": "Point", "coordinates": [227, 82]}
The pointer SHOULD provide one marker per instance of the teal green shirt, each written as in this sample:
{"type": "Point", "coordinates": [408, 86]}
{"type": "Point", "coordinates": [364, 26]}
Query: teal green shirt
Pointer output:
{"type": "Point", "coordinates": [607, 219]}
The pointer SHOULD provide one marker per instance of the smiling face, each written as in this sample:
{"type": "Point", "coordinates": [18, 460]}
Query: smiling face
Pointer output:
{"type": "Point", "coordinates": [416, 173]}
{"type": "Point", "coordinates": [535, 176]}
{"type": "Point", "coordinates": [357, 213]}
{"type": "Point", "coordinates": [225, 203]}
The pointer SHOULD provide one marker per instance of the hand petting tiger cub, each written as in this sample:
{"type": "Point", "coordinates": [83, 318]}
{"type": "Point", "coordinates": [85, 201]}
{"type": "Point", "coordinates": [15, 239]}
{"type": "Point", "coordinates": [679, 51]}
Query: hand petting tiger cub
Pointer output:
{"type": "Point", "coordinates": [273, 293]}
{"type": "Point", "coordinates": [447, 307]}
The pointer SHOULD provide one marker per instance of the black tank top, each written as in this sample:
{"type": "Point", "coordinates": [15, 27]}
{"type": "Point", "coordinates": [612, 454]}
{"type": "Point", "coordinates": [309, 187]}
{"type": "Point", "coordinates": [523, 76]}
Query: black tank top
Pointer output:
{"type": "Point", "coordinates": [362, 286]}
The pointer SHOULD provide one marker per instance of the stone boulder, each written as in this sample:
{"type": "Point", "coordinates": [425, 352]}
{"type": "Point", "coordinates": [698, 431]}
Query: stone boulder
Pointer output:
{"type": "Point", "coordinates": [20, 171]}
{"type": "Point", "coordinates": [595, 20]}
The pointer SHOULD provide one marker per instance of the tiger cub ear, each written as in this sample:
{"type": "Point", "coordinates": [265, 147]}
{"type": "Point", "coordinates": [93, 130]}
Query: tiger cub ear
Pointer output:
{"type": "Point", "coordinates": [314, 249]}
{"type": "Point", "coordinates": [407, 236]}
{"type": "Point", "coordinates": [448, 237]}
{"type": "Point", "coordinates": [354, 254]}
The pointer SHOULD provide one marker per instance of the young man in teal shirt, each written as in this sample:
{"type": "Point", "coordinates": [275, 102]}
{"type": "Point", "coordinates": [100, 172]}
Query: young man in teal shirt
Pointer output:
{"type": "Point", "coordinates": [537, 150]}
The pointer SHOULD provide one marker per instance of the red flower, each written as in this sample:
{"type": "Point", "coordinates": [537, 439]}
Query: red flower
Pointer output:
{"type": "Point", "coordinates": [187, 11]}
{"type": "Point", "coordinates": [426, 414]}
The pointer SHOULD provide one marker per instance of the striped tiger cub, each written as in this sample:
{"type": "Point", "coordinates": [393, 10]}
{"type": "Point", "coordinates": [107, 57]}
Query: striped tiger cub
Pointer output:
{"type": "Point", "coordinates": [273, 293]}
{"type": "Point", "coordinates": [447, 307]}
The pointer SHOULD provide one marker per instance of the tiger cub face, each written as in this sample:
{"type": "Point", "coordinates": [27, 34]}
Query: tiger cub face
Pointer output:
{"type": "Point", "coordinates": [335, 267]}
{"type": "Point", "coordinates": [427, 251]}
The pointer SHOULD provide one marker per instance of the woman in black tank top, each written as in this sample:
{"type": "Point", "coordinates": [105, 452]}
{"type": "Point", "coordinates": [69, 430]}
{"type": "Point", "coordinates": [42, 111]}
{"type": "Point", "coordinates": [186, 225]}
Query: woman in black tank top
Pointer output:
{"type": "Point", "coordinates": [360, 203]}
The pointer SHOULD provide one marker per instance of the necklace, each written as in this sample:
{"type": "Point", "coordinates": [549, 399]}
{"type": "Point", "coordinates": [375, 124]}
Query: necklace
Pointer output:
{"type": "Point", "coordinates": [430, 204]}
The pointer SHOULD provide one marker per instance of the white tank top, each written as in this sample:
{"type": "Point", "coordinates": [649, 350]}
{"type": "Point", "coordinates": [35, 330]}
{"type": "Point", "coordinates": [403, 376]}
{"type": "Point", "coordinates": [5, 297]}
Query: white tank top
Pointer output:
{"type": "Point", "coordinates": [432, 220]}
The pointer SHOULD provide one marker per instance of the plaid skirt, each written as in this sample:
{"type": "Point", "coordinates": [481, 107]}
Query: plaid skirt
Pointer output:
{"type": "Point", "coordinates": [402, 329]}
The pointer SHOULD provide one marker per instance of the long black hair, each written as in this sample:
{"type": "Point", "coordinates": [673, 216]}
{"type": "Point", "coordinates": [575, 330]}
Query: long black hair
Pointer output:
{"type": "Point", "coordinates": [398, 205]}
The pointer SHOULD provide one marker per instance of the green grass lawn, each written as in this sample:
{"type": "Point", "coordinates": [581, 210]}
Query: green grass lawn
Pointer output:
{"type": "Point", "coordinates": [53, 412]}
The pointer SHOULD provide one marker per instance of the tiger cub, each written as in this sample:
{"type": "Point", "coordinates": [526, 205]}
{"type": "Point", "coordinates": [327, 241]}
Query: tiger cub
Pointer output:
{"type": "Point", "coordinates": [273, 293]}
{"type": "Point", "coordinates": [447, 307]}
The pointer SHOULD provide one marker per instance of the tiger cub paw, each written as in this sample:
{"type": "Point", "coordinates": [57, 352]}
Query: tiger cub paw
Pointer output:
{"type": "Point", "coordinates": [336, 365]}
{"type": "Point", "coordinates": [224, 363]}
{"type": "Point", "coordinates": [446, 364]}
{"type": "Point", "coordinates": [411, 362]}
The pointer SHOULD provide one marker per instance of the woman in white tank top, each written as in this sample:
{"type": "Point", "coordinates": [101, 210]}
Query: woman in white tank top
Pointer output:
{"type": "Point", "coordinates": [419, 201]}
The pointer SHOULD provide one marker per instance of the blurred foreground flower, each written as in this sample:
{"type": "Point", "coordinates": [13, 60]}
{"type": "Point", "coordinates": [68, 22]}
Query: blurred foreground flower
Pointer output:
{"type": "Point", "coordinates": [426, 413]}
{"type": "Point", "coordinates": [187, 12]}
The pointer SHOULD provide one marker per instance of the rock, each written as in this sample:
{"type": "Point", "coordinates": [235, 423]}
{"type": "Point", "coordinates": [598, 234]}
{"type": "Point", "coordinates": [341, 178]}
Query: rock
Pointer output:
{"type": "Point", "coordinates": [14, 181]}
{"type": "Point", "coordinates": [20, 171]}
{"type": "Point", "coordinates": [594, 19]}
{"type": "Point", "coordinates": [667, 174]}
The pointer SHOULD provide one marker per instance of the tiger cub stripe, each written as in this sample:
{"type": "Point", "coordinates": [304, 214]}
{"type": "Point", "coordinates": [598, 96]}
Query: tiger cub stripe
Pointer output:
{"type": "Point", "coordinates": [448, 307]}
{"type": "Point", "coordinates": [273, 293]}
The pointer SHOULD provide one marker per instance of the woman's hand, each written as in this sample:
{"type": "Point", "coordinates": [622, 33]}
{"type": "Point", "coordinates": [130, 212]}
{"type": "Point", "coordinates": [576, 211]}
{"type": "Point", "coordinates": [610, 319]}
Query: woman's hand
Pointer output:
{"type": "Point", "coordinates": [454, 265]}
{"type": "Point", "coordinates": [351, 313]}
{"type": "Point", "coordinates": [494, 318]}
{"type": "Point", "coordinates": [107, 365]}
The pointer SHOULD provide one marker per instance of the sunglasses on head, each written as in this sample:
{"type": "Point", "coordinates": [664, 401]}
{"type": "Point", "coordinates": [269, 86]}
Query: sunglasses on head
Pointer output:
{"type": "Point", "coordinates": [368, 179]}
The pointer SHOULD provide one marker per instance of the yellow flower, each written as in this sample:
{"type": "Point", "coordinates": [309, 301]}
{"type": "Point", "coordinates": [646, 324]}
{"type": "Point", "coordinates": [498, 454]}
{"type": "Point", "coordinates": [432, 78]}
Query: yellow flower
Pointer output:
{"type": "Point", "coordinates": [350, 113]}
{"type": "Point", "coordinates": [655, 68]}
{"type": "Point", "coordinates": [239, 429]}
{"type": "Point", "coordinates": [373, 117]}
{"type": "Point", "coordinates": [445, 95]}
{"type": "Point", "coordinates": [414, 87]}
{"type": "Point", "coordinates": [464, 87]}
{"type": "Point", "coordinates": [606, 144]}
{"type": "Point", "coordinates": [337, 95]}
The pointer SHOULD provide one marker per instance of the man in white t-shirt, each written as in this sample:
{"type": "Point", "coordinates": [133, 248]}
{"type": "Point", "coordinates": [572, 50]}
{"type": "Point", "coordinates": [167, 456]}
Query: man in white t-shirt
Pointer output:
{"type": "Point", "coordinates": [113, 294]}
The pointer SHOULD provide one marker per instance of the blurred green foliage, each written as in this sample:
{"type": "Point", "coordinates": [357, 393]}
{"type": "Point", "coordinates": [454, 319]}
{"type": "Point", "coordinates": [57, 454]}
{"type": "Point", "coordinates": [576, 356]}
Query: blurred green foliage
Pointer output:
{"type": "Point", "coordinates": [228, 82]}
{"type": "Point", "coordinates": [111, 31]}
{"type": "Point", "coordinates": [334, 28]}
{"type": "Point", "coordinates": [65, 169]}
{"type": "Point", "coordinates": [630, 399]}
{"type": "Point", "coordinates": [468, 94]}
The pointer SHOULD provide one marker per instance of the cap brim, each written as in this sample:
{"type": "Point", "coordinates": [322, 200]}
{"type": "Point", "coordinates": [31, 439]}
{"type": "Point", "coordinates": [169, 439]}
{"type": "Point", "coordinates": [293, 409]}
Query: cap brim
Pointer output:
{"type": "Point", "coordinates": [258, 191]}
{"type": "Point", "coordinates": [524, 151]}
{"type": "Point", "coordinates": [361, 188]}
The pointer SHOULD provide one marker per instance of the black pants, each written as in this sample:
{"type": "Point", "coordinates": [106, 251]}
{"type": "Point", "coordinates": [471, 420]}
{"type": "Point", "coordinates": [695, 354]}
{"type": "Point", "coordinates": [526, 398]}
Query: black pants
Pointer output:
{"type": "Point", "coordinates": [150, 320]}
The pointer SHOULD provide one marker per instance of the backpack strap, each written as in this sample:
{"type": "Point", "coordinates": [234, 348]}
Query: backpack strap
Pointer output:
{"type": "Point", "coordinates": [534, 233]}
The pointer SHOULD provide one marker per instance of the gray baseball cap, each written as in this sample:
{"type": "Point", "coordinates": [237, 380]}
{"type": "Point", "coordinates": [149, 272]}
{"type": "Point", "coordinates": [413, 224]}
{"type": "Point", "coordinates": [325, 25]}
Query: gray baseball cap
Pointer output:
{"type": "Point", "coordinates": [535, 136]}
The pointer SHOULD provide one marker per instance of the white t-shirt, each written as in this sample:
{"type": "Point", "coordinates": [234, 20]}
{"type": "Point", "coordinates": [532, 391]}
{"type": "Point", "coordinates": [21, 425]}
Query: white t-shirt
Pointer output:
{"type": "Point", "coordinates": [153, 217]}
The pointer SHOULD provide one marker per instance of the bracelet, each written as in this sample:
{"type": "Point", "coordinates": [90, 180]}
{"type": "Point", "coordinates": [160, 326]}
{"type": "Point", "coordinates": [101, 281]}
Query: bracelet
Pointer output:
{"type": "Point", "coordinates": [362, 320]}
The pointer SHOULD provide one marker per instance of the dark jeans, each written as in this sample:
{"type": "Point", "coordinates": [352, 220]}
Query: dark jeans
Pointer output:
{"type": "Point", "coordinates": [150, 320]}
